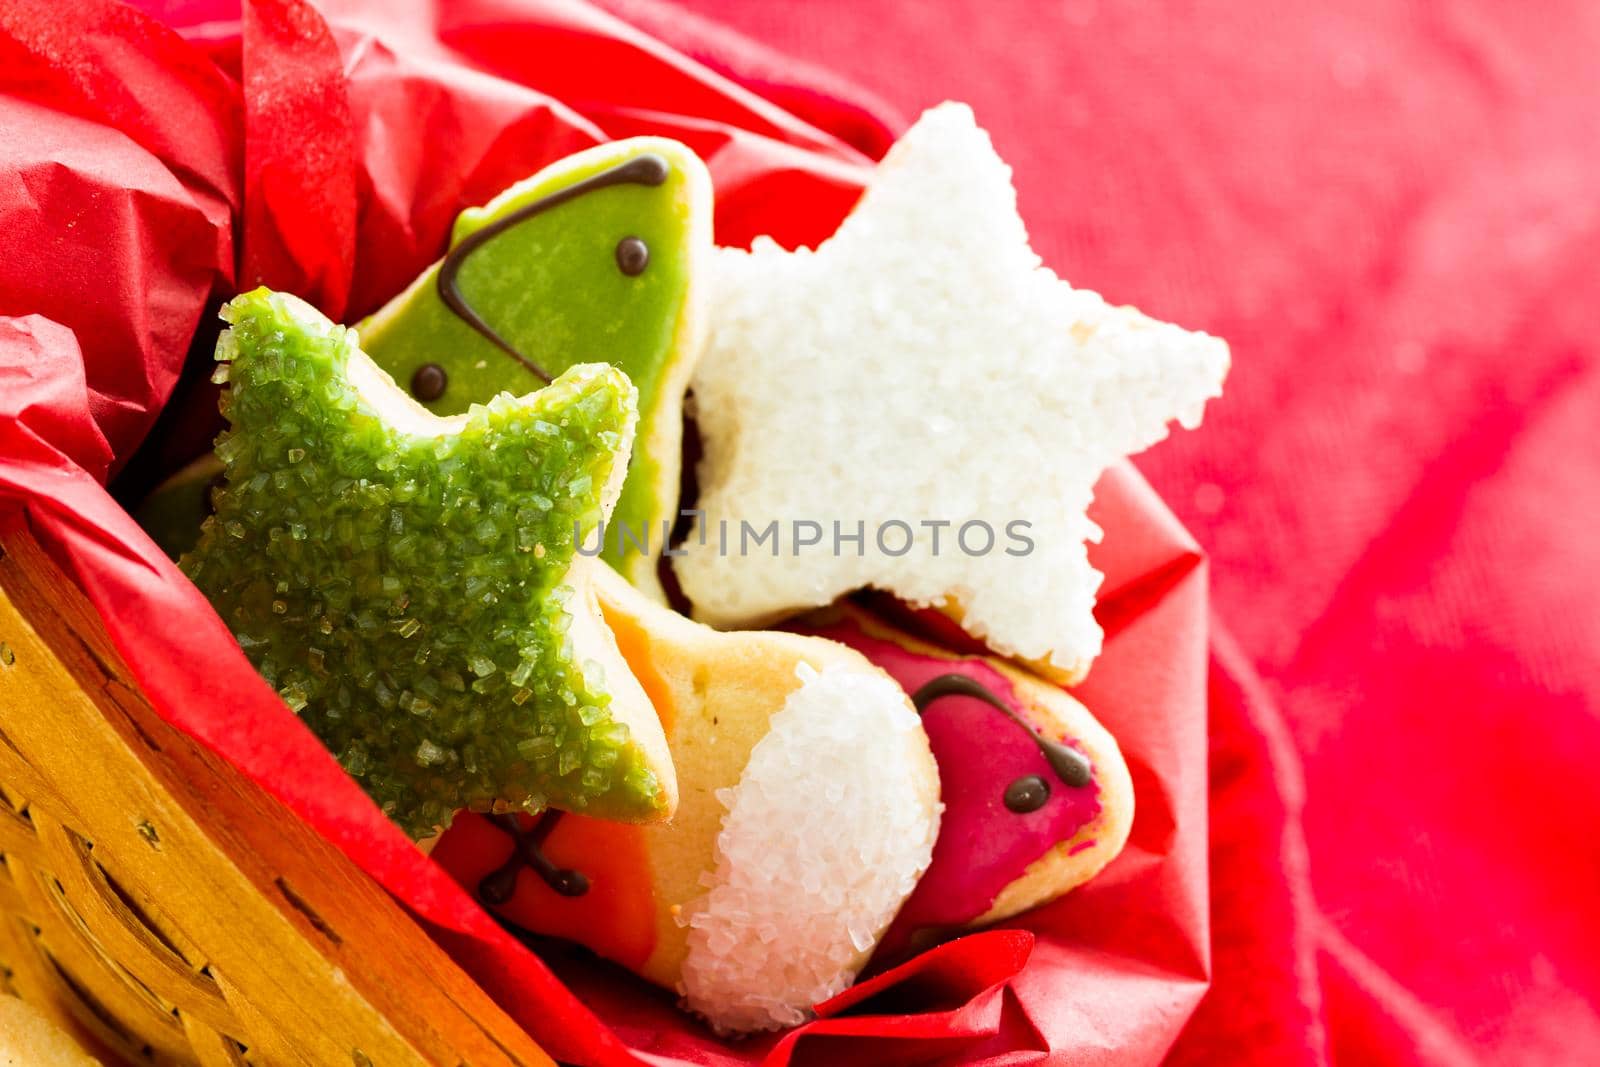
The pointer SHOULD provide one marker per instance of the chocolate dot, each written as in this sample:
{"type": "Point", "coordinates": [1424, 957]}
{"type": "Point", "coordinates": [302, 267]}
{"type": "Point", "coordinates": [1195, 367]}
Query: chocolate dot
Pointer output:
{"type": "Point", "coordinates": [1028, 793]}
{"type": "Point", "coordinates": [633, 256]}
{"type": "Point", "coordinates": [429, 382]}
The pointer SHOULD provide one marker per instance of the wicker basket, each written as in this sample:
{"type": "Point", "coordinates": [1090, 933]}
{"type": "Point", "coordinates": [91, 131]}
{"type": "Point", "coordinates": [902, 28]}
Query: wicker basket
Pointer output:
{"type": "Point", "coordinates": [165, 910]}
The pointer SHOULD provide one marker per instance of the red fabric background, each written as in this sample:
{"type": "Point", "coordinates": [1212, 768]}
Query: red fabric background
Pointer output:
{"type": "Point", "coordinates": [1390, 211]}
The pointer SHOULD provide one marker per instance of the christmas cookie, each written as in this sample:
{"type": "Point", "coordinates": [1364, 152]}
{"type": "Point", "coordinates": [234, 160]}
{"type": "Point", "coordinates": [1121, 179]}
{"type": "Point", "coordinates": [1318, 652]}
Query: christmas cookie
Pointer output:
{"type": "Point", "coordinates": [927, 407]}
{"type": "Point", "coordinates": [809, 807]}
{"type": "Point", "coordinates": [595, 259]}
{"type": "Point", "coordinates": [1037, 796]}
{"type": "Point", "coordinates": [409, 584]}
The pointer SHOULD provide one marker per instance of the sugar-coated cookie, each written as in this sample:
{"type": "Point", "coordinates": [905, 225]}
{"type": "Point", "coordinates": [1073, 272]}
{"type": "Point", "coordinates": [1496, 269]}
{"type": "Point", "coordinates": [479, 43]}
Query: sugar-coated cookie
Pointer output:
{"type": "Point", "coordinates": [598, 258]}
{"type": "Point", "coordinates": [409, 583]}
{"type": "Point", "coordinates": [1037, 795]}
{"type": "Point", "coordinates": [937, 402]}
{"type": "Point", "coordinates": [808, 808]}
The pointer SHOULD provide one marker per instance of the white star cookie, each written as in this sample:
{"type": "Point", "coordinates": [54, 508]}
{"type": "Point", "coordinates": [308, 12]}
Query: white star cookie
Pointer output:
{"type": "Point", "coordinates": [922, 367]}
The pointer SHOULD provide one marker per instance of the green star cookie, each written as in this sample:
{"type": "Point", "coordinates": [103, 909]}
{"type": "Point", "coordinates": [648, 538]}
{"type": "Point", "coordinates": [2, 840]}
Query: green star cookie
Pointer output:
{"type": "Point", "coordinates": [409, 583]}
{"type": "Point", "coordinates": [593, 259]}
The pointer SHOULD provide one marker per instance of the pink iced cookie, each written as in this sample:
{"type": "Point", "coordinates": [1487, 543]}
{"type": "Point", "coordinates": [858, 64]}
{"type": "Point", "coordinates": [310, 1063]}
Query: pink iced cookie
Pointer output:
{"type": "Point", "coordinates": [1037, 796]}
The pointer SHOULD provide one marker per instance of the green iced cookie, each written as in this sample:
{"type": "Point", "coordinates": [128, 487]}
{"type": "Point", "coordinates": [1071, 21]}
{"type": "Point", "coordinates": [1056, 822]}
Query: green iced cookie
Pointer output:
{"type": "Point", "coordinates": [174, 510]}
{"type": "Point", "coordinates": [409, 583]}
{"type": "Point", "coordinates": [596, 258]}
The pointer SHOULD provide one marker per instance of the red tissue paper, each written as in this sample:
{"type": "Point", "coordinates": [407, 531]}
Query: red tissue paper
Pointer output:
{"type": "Point", "coordinates": [154, 162]}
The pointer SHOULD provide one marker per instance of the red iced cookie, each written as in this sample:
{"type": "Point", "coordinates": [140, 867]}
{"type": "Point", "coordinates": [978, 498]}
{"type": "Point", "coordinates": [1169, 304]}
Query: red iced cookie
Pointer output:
{"type": "Point", "coordinates": [1037, 796]}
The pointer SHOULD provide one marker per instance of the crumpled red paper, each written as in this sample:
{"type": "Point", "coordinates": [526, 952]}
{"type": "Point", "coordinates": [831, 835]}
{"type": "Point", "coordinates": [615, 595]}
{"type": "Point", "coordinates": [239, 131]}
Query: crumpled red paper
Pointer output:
{"type": "Point", "coordinates": [332, 150]}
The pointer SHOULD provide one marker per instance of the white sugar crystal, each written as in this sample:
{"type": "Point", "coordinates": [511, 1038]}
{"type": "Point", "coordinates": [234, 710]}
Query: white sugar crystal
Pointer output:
{"type": "Point", "coordinates": [923, 365]}
{"type": "Point", "coordinates": [803, 887]}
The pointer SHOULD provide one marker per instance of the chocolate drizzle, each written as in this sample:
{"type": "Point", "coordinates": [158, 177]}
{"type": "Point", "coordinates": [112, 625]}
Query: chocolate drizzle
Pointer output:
{"type": "Point", "coordinates": [648, 169]}
{"type": "Point", "coordinates": [1029, 792]}
{"type": "Point", "coordinates": [498, 885]}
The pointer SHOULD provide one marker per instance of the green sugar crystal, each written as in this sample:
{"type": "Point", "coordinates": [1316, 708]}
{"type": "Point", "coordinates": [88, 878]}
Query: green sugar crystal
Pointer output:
{"type": "Point", "coordinates": [605, 271]}
{"type": "Point", "coordinates": [386, 573]}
